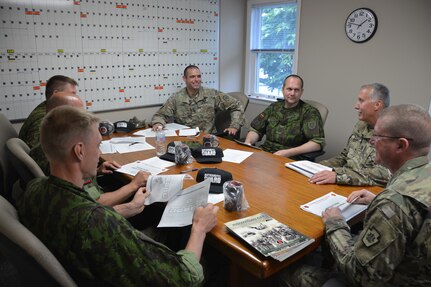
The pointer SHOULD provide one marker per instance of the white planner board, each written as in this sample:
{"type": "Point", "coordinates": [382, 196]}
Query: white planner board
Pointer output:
{"type": "Point", "coordinates": [123, 54]}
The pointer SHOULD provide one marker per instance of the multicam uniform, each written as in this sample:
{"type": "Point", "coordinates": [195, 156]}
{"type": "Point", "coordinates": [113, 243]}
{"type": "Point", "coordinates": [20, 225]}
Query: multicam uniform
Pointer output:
{"type": "Point", "coordinates": [288, 127]}
{"type": "Point", "coordinates": [394, 249]}
{"type": "Point", "coordinates": [200, 110]}
{"type": "Point", "coordinates": [30, 130]}
{"type": "Point", "coordinates": [97, 245]}
{"type": "Point", "coordinates": [355, 165]}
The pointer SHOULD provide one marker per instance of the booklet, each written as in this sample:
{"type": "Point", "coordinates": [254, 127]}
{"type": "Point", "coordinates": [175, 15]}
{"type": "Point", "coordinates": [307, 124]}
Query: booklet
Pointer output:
{"type": "Point", "coordinates": [348, 210]}
{"type": "Point", "coordinates": [268, 236]}
{"type": "Point", "coordinates": [306, 167]}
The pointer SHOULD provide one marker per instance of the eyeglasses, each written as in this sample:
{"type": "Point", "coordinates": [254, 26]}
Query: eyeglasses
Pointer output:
{"type": "Point", "coordinates": [375, 138]}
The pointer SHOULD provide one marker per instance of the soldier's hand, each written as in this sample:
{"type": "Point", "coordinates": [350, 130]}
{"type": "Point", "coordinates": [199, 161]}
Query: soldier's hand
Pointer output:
{"type": "Point", "coordinates": [140, 179]}
{"type": "Point", "coordinates": [324, 177]}
{"type": "Point", "coordinates": [137, 203]}
{"type": "Point", "coordinates": [331, 212]}
{"type": "Point", "coordinates": [107, 167]}
{"type": "Point", "coordinates": [231, 131]}
{"type": "Point", "coordinates": [156, 126]}
{"type": "Point", "coordinates": [204, 218]}
{"type": "Point", "coordinates": [362, 196]}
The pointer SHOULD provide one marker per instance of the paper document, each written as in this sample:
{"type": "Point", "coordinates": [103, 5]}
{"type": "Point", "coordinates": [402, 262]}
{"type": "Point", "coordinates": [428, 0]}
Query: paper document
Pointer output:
{"type": "Point", "coordinates": [332, 199]}
{"type": "Point", "coordinates": [215, 198]}
{"type": "Point", "coordinates": [152, 165]}
{"type": "Point", "coordinates": [236, 156]}
{"type": "Point", "coordinates": [149, 133]}
{"type": "Point", "coordinates": [179, 210]}
{"type": "Point", "coordinates": [175, 126]}
{"type": "Point", "coordinates": [189, 132]}
{"type": "Point", "coordinates": [163, 187]}
{"type": "Point", "coordinates": [307, 168]}
{"type": "Point", "coordinates": [124, 144]}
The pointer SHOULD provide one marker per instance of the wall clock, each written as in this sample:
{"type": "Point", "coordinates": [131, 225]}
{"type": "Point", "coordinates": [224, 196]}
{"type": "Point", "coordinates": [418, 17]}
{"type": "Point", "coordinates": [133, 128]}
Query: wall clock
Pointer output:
{"type": "Point", "coordinates": [361, 25]}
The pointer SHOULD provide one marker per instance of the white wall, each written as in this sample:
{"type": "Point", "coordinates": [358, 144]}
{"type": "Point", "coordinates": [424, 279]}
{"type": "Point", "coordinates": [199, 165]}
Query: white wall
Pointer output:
{"type": "Point", "coordinates": [334, 68]}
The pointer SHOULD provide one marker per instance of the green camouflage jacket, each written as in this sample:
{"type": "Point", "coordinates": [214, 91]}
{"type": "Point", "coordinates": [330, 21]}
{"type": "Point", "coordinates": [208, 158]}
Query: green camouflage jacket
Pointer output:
{"type": "Point", "coordinates": [97, 245]}
{"type": "Point", "coordinates": [30, 130]}
{"type": "Point", "coordinates": [390, 251]}
{"type": "Point", "coordinates": [288, 127]}
{"type": "Point", "coordinates": [355, 165]}
{"type": "Point", "coordinates": [91, 186]}
{"type": "Point", "coordinates": [200, 110]}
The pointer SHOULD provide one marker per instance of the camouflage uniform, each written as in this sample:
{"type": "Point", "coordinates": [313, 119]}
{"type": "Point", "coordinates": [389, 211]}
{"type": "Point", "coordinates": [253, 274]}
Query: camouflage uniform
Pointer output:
{"type": "Point", "coordinates": [97, 245]}
{"type": "Point", "coordinates": [200, 110]}
{"type": "Point", "coordinates": [289, 127]}
{"type": "Point", "coordinates": [90, 186]}
{"type": "Point", "coordinates": [392, 250]}
{"type": "Point", "coordinates": [30, 130]}
{"type": "Point", "coordinates": [355, 165]}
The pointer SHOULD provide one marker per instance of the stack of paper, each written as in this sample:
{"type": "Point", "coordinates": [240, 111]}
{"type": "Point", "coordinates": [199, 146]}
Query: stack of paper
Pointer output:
{"type": "Point", "coordinates": [124, 144]}
{"type": "Point", "coordinates": [307, 168]}
{"type": "Point", "coordinates": [332, 199]}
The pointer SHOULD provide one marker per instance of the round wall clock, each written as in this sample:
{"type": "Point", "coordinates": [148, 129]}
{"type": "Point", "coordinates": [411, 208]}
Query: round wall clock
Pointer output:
{"type": "Point", "coordinates": [361, 25]}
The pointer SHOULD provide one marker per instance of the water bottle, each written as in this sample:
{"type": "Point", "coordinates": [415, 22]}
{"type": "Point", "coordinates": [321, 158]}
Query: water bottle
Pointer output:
{"type": "Point", "coordinates": [160, 142]}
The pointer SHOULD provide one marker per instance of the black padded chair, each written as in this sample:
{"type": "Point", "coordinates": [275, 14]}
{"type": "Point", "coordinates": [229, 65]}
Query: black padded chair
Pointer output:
{"type": "Point", "coordinates": [222, 118]}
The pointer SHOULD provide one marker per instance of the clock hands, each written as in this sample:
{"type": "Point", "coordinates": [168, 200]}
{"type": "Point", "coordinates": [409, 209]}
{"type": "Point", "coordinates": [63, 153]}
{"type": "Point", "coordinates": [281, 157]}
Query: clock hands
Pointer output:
{"type": "Point", "coordinates": [362, 23]}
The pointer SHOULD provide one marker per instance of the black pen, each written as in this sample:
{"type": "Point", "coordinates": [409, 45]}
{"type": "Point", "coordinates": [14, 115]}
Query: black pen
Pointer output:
{"type": "Point", "coordinates": [189, 170]}
{"type": "Point", "coordinates": [133, 143]}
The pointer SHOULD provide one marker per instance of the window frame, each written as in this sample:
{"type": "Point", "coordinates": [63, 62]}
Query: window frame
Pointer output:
{"type": "Point", "coordinates": [251, 57]}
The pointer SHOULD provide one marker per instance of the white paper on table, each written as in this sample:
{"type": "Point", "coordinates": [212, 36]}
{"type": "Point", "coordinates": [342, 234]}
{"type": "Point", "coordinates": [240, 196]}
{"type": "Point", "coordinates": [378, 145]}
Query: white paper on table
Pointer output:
{"type": "Point", "coordinates": [236, 156]}
{"type": "Point", "coordinates": [163, 187]}
{"type": "Point", "coordinates": [179, 210]}
{"type": "Point", "coordinates": [149, 133]}
{"type": "Point", "coordinates": [175, 126]}
{"type": "Point", "coordinates": [215, 198]}
{"type": "Point", "coordinates": [123, 148]}
{"type": "Point", "coordinates": [129, 140]}
{"type": "Point", "coordinates": [106, 147]}
{"type": "Point", "coordinates": [152, 165]}
{"type": "Point", "coordinates": [332, 199]}
{"type": "Point", "coordinates": [189, 132]}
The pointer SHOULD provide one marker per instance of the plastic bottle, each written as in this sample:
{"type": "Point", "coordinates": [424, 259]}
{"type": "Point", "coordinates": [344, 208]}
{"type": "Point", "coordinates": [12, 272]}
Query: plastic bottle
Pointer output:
{"type": "Point", "coordinates": [160, 142]}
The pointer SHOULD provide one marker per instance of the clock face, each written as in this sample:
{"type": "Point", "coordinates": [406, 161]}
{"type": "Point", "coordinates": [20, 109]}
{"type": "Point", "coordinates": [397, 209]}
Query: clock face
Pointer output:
{"type": "Point", "coordinates": [361, 25]}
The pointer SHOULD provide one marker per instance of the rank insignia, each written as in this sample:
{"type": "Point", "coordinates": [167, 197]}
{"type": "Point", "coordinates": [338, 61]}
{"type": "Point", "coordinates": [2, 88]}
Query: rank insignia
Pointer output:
{"type": "Point", "coordinates": [312, 125]}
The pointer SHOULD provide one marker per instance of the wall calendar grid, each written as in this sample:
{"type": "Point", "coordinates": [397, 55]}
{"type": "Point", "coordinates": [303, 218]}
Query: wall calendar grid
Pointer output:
{"type": "Point", "coordinates": [122, 54]}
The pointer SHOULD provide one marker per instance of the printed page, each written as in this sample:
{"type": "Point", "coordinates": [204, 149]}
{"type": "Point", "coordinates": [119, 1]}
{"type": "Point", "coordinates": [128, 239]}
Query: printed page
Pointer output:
{"type": "Point", "coordinates": [235, 156]}
{"type": "Point", "coordinates": [152, 165]}
{"type": "Point", "coordinates": [149, 133]}
{"type": "Point", "coordinates": [179, 210]}
{"type": "Point", "coordinates": [332, 199]}
{"type": "Point", "coordinates": [163, 187]}
{"type": "Point", "coordinates": [175, 126]}
{"type": "Point", "coordinates": [306, 167]}
{"type": "Point", "coordinates": [189, 132]}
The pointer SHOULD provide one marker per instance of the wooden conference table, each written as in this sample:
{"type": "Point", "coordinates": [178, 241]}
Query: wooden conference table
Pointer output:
{"type": "Point", "coordinates": [269, 187]}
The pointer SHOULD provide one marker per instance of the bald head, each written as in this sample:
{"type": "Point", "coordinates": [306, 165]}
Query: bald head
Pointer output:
{"type": "Point", "coordinates": [62, 99]}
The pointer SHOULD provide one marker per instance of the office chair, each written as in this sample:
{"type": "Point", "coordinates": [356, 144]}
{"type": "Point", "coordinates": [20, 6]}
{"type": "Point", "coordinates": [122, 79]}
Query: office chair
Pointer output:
{"type": "Point", "coordinates": [323, 110]}
{"type": "Point", "coordinates": [222, 118]}
{"type": "Point", "coordinates": [7, 173]}
{"type": "Point", "coordinates": [35, 264]}
{"type": "Point", "coordinates": [26, 168]}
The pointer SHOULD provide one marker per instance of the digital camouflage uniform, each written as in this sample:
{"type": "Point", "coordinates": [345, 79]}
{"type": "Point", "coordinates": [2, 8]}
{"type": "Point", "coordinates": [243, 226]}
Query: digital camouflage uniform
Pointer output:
{"type": "Point", "coordinates": [91, 186]}
{"type": "Point", "coordinates": [200, 110]}
{"type": "Point", "coordinates": [97, 245]}
{"type": "Point", "coordinates": [288, 127]}
{"type": "Point", "coordinates": [394, 249]}
{"type": "Point", "coordinates": [355, 165]}
{"type": "Point", "coordinates": [30, 130]}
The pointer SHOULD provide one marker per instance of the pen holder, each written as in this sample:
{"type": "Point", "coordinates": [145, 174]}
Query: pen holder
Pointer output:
{"type": "Point", "coordinates": [210, 141]}
{"type": "Point", "coordinates": [183, 154]}
{"type": "Point", "coordinates": [234, 197]}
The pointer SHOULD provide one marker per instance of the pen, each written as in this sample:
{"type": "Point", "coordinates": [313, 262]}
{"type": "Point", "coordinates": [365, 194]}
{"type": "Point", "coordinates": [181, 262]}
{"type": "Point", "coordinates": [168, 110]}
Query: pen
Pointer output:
{"type": "Point", "coordinates": [349, 203]}
{"type": "Point", "coordinates": [189, 170]}
{"type": "Point", "coordinates": [133, 143]}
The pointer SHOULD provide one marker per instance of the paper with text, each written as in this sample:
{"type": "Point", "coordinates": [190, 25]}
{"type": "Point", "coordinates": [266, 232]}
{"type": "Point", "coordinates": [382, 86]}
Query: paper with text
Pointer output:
{"type": "Point", "coordinates": [149, 133]}
{"type": "Point", "coordinates": [175, 126]}
{"type": "Point", "coordinates": [152, 165]}
{"type": "Point", "coordinates": [179, 210]}
{"type": "Point", "coordinates": [189, 132]}
{"type": "Point", "coordinates": [163, 187]}
{"type": "Point", "coordinates": [307, 168]}
{"type": "Point", "coordinates": [332, 199]}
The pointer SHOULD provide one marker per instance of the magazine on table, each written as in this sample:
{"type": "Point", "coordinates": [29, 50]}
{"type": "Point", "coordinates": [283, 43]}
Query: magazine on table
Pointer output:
{"type": "Point", "coordinates": [348, 209]}
{"type": "Point", "coordinates": [306, 167]}
{"type": "Point", "coordinates": [269, 236]}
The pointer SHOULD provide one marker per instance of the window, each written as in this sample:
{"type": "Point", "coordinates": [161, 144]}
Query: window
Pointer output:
{"type": "Point", "coordinates": [272, 46]}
